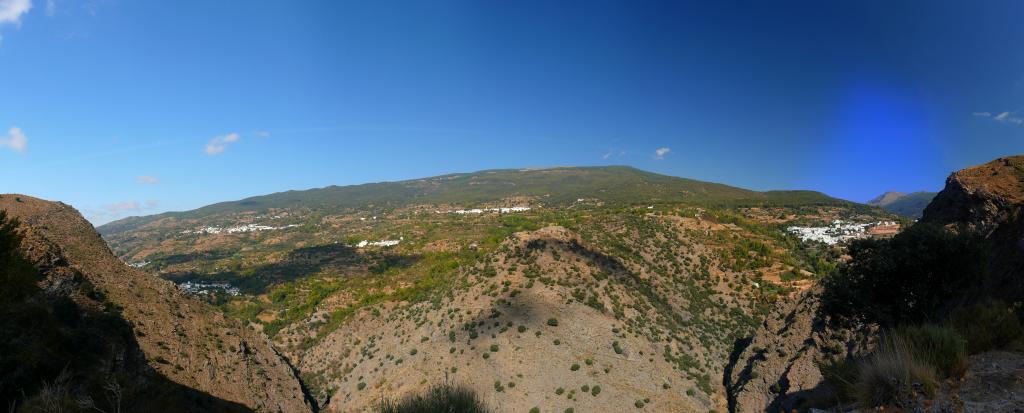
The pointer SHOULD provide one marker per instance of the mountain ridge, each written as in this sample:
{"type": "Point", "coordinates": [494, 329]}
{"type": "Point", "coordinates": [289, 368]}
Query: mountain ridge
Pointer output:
{"type": "Point", "coordinates": [906, 204]}
{"type": "Point", "coordinates": [613, 184]}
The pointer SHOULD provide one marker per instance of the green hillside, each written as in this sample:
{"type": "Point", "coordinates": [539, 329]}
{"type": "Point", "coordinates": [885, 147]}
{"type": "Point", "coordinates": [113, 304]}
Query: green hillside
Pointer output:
{"type": "Point", "coordinates": [551, 186]}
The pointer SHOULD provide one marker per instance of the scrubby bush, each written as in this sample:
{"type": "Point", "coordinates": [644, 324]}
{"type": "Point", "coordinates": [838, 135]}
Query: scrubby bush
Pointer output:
{"type": "Point", "coordinates": [989, 326]}
{"type": "Point", "coordinates": [842, 376]}
{"type": "Point", "coordinates": [553, 322]}
{"type": "Point", "coordinates": [445, 398]}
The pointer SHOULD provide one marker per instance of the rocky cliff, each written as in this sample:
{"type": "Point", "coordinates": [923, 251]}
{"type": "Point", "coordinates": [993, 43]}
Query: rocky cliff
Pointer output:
{"type": "Point", "coordinates": [152, 347]}
{"type": "Point", "coordinates": [778, 369]}
{"type": "Point", "coordinates": [988, 200]}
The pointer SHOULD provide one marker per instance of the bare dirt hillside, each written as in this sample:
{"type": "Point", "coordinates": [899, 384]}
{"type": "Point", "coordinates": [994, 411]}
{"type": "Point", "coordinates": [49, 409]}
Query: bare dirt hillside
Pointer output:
{"type": "Point", "coordinates": [552, 320]}
{"type": "Point", "coordinates": [214, 362]}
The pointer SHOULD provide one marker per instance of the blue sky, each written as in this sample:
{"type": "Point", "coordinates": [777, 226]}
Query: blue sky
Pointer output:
{"type": "Point", "coordinates": [136, 107]}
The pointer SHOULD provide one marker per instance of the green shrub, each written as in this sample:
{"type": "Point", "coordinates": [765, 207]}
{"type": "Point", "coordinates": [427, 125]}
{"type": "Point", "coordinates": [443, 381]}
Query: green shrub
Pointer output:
{"type": "Point", "coordinates": [891, 375]}
{"type": "Point", "coordinates": [494, 348]}
{"type": "Point", "coordinates": [535, 410]}
{"type": "Point", "coordinates": [940, 347]}
{"type": "Point", "coordinates": [616, 347]}
{"type": "Point", "coordinates": [574, 367]}
{"type": "Point", "coordinates": [842, 375]}
{"type": "Point", "coordinates": [988, 326]}
{"type": "Point", "coordinates": [553, 322]}
{"type": "Point", "coordinates": [596, 390]}
{"type": "Point", "coordinates": [439, 399]}
{"type": "Point", "coordinates": [559, 391]}
{"type": "Point", "coordinates": [360, 386]}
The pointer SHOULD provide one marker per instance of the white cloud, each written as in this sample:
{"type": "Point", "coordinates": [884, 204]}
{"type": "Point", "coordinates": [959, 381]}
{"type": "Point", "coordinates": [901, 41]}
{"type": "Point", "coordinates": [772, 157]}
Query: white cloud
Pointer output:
{"type": "Point", "coordinates": [1002, 117]}
{"type": "Point", "coordinates": [12, 10]}
{"type": "Point", "coordinates": [120, 207]}
{"type": "Point", "coordinates": [613, 153]}
{"type": "Point", "coordinates": [147, 180]}
{"type": "Point", "coordinates": [15, 139]}
{"type": "Point", "coordinates": [112, 211]}
{"type": "Point", "coordinates": [1007, 117]}
{"type": "Point", "coordinates": [661, 152]}
{"type": "Point", "coordinates": [218, 144]}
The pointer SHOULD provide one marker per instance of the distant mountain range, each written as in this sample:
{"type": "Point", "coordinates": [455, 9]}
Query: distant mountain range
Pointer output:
{"type": "Point", "coordinates": [909, 205]}
{"type": "Point", "coordinates": [551, 186]}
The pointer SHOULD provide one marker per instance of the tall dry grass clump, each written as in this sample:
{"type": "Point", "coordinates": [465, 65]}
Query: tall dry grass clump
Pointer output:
{"type": "Point", "coordinates": [443, 398]}
{"type": "Point", "coordinates": [894, 376]}
{"type": "Point", "coordinates": [941, 347]}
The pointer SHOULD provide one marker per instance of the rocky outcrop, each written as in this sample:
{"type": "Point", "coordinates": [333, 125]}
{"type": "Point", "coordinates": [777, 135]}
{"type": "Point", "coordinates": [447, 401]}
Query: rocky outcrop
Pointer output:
{"type": "Point", "coordinates": [987, 200]}
{"type": "Point", "coordinates": [778, 369]}
{"type": "Point", "coordinates": [187, 355]}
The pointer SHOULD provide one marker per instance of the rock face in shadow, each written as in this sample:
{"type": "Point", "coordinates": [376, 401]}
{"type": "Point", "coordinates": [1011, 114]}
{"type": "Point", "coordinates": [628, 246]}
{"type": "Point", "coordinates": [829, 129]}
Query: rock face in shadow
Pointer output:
{"type": "Point", "coordinates": [117, 331]}
{"type": "Point", "coordinates": [778, 370]}
{"type": "Point", "coordinates": [987, 200]}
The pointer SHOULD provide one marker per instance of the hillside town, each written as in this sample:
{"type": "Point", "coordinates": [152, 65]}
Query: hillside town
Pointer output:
{"type": "Point", "coordinates": [236, 230]}
{"type": "Point", "coordinates": [843, 231]}
{"type": "Point", "coordinates": [199, 288]}
{"type": "Point", "coordinates": [503, 210]}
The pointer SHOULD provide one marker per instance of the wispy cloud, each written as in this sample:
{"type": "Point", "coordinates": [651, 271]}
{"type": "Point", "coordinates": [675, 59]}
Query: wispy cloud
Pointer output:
{"type": "Point", "coordinates": [119, 207]}
{"type": "Point", "coordinates": [218, 144]}
{"type": "Point", "coordinates": [115, 210]}
{"type": "Point", "coordinates": [15, 140]}
{"type": "Point", "coordinates": [147, 180]}
{"type": "Point", "coordinates": [262, 133]}
{"type": "Point", "coordinates": [661, 152]}
{"type": "Point", "coordinates": [1003, 117]}
{"type": "Point", "coordinates": [613, 153]}
{"type": "Point", "coordinates": [12, 10]}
